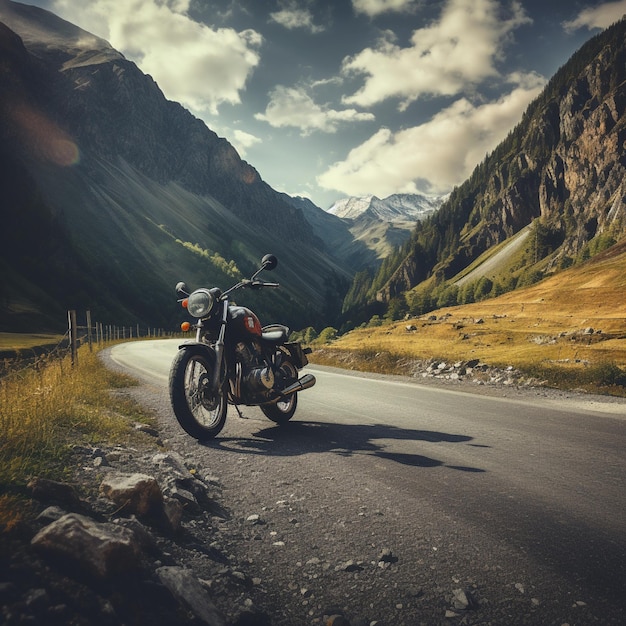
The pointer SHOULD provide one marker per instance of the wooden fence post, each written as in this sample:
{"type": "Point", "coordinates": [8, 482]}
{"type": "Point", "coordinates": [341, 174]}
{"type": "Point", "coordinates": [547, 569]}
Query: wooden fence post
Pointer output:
{"type": "Point", "coordinates": [89, 337]}
{"type": "Point", "coordinates": [71, 318]}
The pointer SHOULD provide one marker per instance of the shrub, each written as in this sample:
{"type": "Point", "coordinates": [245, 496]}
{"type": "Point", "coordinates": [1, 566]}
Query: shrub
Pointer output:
{"type": "Point", "coordinates": [375, 320]}
{"type": "Point", "coordinates": [483, 289]}
{"type": "Point", "coordinates": [327, 335]}
{"type": "Point", "coordinates": [607, 375]}
{"type": "Point", "coordinates": [449, 297]}
{"type": "Point", "coordinates": [306, 336]}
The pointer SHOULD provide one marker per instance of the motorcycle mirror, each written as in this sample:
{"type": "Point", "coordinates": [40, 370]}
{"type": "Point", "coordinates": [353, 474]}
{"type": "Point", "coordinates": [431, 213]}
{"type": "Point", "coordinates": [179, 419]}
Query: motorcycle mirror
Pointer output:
{"type": "Point", "coordinates": [182, 290]}
{"type": "Point", "coordinates": [269, 262]}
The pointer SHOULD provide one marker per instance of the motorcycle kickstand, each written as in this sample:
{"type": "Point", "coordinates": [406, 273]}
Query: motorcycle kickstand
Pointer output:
{"type": "Point", "coordinates": [239, 412]}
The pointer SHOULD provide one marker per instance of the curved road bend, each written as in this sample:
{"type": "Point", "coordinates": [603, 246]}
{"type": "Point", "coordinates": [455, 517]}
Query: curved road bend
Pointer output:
{"type": "Point", "coordinates": [519, 500]}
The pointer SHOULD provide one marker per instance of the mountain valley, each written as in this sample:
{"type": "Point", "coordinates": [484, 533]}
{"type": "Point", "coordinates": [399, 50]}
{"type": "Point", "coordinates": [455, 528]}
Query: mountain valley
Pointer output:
{"type": "Point", "coordinates": [114, 193]}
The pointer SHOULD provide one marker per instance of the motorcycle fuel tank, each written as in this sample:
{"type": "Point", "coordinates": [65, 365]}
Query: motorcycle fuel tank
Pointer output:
{"type": "Point", "coordinates": [243, 322]}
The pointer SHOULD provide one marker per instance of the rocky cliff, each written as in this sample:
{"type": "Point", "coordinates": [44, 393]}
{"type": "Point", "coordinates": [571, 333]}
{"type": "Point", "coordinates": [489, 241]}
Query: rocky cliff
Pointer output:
{"type": "Point", "coordinates": [112, 110]}
{"type": "Point", "coordinates": [116, 111]}
{"type": "Point", "coordinates": [565, 163]}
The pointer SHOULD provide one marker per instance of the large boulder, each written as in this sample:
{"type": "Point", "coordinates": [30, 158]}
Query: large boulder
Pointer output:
{"type": "Point", "coordinates": [99, 549]}
{"type": "Point", "coordinates": [135, 493]}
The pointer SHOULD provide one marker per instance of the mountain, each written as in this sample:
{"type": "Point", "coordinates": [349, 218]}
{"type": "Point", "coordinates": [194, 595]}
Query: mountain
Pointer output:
{"type": "Point", "coordinates": [401, 207]}
{"type": "Point", "coordinates": [561, 174]}
{"type": "Point", "coordinates": [353, 253]}
{"type": "Point", "coordinates": [362, 231]}
{"type": "Point", "coordinates": [382, 225]}
{"type": "Point", "coordinates": [112, 193]}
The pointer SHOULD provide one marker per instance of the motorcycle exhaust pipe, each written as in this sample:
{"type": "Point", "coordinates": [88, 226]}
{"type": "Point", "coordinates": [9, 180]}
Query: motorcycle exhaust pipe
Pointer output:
{"type": "Point", "coordinates": [306, 382]}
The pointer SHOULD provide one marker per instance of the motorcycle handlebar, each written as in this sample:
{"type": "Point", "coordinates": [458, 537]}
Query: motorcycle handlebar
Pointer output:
{"type": "Point", "coordinates": [257, 284]}
{"type": "Point", "coordinates": [269, 263]}
{"type": "Point", "coordinates": [252, 284]}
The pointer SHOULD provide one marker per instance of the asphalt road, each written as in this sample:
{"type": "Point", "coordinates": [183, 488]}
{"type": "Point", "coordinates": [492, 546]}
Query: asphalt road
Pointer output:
{"type": "Point", "coordinates": [384, 497]}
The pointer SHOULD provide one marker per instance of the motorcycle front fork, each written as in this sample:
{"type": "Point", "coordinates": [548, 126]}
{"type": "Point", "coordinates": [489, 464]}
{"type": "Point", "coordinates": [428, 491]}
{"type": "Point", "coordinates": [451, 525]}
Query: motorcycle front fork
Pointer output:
{"type": "Point", "coordinates": [217, 380]}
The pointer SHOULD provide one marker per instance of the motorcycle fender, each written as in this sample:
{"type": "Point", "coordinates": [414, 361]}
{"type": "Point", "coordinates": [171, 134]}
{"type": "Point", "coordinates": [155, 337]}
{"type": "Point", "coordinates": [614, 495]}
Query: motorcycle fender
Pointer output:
{"type": "Point", "coordinates": [198, 346]}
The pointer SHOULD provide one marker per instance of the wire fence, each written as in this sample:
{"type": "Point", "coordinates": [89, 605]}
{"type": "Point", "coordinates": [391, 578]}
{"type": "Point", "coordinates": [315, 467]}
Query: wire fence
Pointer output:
{"type": "Point", "coordinates": [90, 333]}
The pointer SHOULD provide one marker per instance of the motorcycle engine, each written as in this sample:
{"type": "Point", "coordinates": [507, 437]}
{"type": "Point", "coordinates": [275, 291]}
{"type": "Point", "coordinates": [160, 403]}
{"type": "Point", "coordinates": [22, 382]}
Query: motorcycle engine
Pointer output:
{"type": "Point", "coordinates": [257, 376]}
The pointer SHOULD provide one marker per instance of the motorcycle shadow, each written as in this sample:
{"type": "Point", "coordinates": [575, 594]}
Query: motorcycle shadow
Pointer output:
{"type": "Point", "coordinates": [306, 437]}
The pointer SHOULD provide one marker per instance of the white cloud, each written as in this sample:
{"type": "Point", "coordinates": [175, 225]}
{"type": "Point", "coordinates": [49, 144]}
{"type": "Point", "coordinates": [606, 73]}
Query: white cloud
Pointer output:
{"type": "Point", "coordinates": [292, 16]}
{"type": "Point", "coordinates": [372, 8]}
{"type": "Point", "coordinates": [292, 106]}
{"type": "Point", "coordinates": [438, 154]}
{"type": "Point", "coordinates": [193, 64]}
{"type": "Point", "coordinates": [242, 141]}
{"type": "Point", "coordinates": [458, 51]}
{"type": "Point", "coordinates": [601, 16]}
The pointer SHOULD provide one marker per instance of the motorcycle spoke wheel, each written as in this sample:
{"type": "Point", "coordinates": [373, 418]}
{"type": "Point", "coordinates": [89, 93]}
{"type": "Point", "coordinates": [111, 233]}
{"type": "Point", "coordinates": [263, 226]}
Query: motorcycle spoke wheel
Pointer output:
{"type": "Point", "coordinates": [283, 410]}
{"type": "Point", "coordinates": [199, 411]}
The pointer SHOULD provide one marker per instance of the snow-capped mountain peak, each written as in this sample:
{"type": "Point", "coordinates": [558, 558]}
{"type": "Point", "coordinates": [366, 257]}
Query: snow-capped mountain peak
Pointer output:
{"type": "Point", "coordinates": [397, 207]}
{"type": "Point", "coordinates": [351, 208]}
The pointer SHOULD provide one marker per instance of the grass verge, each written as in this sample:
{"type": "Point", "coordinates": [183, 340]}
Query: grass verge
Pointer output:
{"type": "Point", "coordinates": [49, 407]}
{"type": "Point", "coordinates": [604, 377]}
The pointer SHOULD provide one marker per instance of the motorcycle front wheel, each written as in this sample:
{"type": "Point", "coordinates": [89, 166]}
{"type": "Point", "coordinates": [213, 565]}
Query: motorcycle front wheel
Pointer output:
{"type": "Point", "coordinates": [282, 411]}
{"type": "Point", "coordinates": [201, 412]}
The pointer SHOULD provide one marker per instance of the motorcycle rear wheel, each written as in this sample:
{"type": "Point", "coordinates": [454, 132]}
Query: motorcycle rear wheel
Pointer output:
{"type": "Point", "coordinates": [200, 412]}
{"type": "Point", "coordinates": [282, 411]}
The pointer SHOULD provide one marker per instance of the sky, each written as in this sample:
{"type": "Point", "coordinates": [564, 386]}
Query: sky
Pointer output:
{"type": "Point", "coordinates": [335, 98]}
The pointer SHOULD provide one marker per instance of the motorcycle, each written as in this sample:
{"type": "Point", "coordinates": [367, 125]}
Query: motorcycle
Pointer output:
{"type": "Point", "coordinates": [233, 360]}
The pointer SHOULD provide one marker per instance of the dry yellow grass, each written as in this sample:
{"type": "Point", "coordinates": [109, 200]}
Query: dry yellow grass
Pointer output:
{"type": "Point", "coordinates": [542, 324]}
{"type": "Point", "coordinates": [46, 408]}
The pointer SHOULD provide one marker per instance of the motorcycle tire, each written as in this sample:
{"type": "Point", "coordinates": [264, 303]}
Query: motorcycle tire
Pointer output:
{"type": "Point", "coordinates": [282, 411]}
{"type": "Point", "coordinates": [200, 413]}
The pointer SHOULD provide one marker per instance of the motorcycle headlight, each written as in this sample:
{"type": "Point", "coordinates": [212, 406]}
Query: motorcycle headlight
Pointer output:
{"type": "Point", "coordinates": [200, 303]}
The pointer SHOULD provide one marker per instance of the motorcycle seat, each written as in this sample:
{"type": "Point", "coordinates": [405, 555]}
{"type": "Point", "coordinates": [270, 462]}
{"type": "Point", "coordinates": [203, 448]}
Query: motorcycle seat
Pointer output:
{"type": "Point", "coordinates": [275, 333]}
